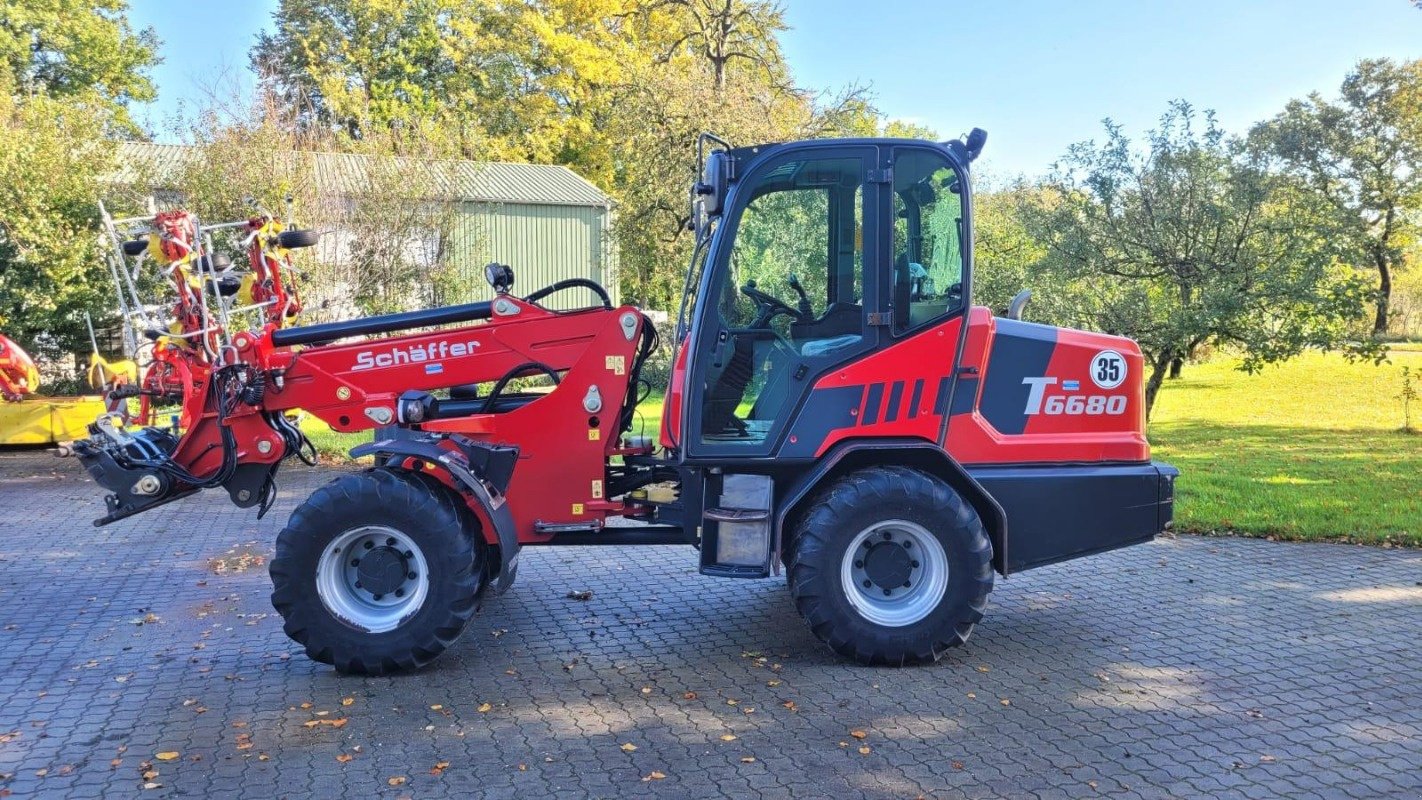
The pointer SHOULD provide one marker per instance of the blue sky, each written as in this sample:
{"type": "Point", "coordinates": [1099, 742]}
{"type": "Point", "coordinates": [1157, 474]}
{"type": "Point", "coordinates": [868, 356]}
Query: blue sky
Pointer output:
{"type": "Point", "coordinates": [1037, 74]}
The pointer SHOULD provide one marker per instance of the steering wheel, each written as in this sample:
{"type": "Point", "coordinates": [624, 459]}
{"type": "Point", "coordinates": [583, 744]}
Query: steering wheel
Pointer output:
{"type": "Point", "coordinates": [770, 305]}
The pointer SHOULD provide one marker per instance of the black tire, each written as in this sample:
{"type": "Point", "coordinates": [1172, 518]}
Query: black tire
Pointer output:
{"type": "Point", "coordinates": [420, 508]}
{"type": "Point", "coordinates": [295, 238]}
{"type": "Point", "coordinates": [216, 262]}
{"type": "Point", "coordinates": [857, 503]}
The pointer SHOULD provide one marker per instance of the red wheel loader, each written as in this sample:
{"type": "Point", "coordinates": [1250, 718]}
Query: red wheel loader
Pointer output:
{"type": "Point", "coordinates": [838, 409]}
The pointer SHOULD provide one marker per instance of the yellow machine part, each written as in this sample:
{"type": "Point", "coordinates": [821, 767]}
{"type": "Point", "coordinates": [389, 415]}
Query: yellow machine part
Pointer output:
{"type": "Point", "coordinates": [104, 373]}
{"type": "Point", "coordinates": [48, 420]}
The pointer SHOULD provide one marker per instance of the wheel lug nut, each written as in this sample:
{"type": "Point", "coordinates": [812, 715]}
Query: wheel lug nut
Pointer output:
{"type": "Point", "coordinates": [409, 554]}
{"type": "Point", "coordinates": [390, 541]}
{"type": "Point", "coordinates": [888, 592]}
{"type": "Point", "coordinates": [859, 564]}
{"type": "Point", "coordinates": [355, 562]}
{"type": "Point", "coordinates": [369, 545]}
{"type": "Point", "coordinates": [907, 584]}
{"type": "Point", "coordinates": [868, 583]}
{"type": "Point", "coordinates": [358, 586]}
{"type": "Point", "coordinates": [908, 543]}
{"type": "Point", "coordinates": [379, 597]}
{"type": "Point", "coordinates": [399, 592]}
{"type": "Point", "coordinates": [412, 575]}
{"type": "Point", "coordinates": [915, 564]}
{"type": "Point", "coordinates": [888, 536]}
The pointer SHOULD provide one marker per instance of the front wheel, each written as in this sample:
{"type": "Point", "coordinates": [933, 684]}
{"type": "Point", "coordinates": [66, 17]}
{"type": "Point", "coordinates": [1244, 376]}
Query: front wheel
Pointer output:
{"type": "Point", "coordinates": [378, 572]}
{"type": "Point", "coordinates": [889, 565]}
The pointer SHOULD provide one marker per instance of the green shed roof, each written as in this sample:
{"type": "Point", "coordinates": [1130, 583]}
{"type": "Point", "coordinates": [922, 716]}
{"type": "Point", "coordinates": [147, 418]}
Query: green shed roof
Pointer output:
{"type": "Point", "coordinates": [348, 174]}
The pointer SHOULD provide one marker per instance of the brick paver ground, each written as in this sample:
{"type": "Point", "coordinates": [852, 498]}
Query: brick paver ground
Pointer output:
{"type": "Point", "coordinates": [1185, 668]}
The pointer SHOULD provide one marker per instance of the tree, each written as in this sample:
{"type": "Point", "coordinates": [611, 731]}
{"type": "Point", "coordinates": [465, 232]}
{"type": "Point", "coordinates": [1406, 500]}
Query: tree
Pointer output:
{"type": "Point", "coordinates": [726, 32]}
{"type": "Point", "coordinates": [1188, 242]}
{"type": "Point", "coordinates": [50, 268]}
{"type": "Point", "coordinates": [72, 48]}
{"type": "Point", "coordinates": [615, 89]}
{"type": "Point", "coordinates": [1361, 156]}
{"type": "Point", "coordinates": [68, 71]}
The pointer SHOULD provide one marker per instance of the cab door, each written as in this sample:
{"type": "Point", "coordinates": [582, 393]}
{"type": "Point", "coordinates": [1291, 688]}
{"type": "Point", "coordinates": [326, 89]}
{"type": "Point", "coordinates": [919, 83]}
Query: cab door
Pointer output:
{"type": "Point", "coordinates": [786, 296]}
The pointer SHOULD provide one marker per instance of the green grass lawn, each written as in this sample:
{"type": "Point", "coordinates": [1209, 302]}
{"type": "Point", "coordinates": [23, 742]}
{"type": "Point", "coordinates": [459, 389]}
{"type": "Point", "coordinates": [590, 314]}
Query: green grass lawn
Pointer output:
{"type": "Point", "coordinates": [1307, 450]}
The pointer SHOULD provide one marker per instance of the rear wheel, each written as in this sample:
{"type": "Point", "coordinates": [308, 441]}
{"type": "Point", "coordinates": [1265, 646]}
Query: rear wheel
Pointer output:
{"type": "Point", "coordinates": [889, 565]}
{"type": "Point", "coordinates": [378, 572]}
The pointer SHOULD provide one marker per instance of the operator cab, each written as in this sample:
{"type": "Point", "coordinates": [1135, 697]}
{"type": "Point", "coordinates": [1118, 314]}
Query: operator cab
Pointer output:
{"type": "Point", "coordinates": [792, 281]}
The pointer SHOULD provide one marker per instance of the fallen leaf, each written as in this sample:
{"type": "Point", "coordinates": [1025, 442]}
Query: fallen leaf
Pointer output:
{"type": "Point", "coordinates": [168, 755]}
{"type": "Point", "coordinates": [957, 765]}
{"type": "Point", "coordinates": [747, 759]}
{"type": "Point", "coordinates": [305, 705]}
{"type": "Point", "coordinates": [40, 773]}
{"type": "Point", "coordinates": [523, 768]}
{"type": "Point", "coordinates": [728, 737]}
{"type": "Point", "coordinates": [439, 768]}
{"type": "Point", "coordinates": [772, 683]}
{"type": "Point", "coordinates": [151, 785]}
{"type": "Point", "coordinates": [790, 704]}
{"type": "Point", "coordinates": [732, 702]}
{"type": "Point", "coordinates": [398, 780]}
{"type": "Point", "coordinates": [1267, 759]}
{"type": "Point", "coordinates": [436, 707]}
{"type": "Point", "coordinates": [345, 758]}
{"type": "Point", "coordinates": [1092, 784]}
{"type": "Point", "coordinates": [628, 747]}
{"type": "Point", "coordinates": [858, 734]}
{"type": "Point", "coordinates": [646, 690]}
{"type": "Point", "coordinates": [485, 708]}
{"type": "Point", "coordinates": [984, 668]}
{"type": "Point", "coordinates": [149, 774]}
{"type": "Point", "coordinates": [347, 701]}
{"type": "Point", "coordinates": [688, 696]}
{"type": "Point", "coordinates": [654, 776]}
{"type": "Point", "coordinates": [263, 757]}
{"type": "Point", "coordinates": [580, 594]}
{"type": "Point", "coordinates": [1005, 701]}
{"type": "Point", "coordinates": [865, 750]}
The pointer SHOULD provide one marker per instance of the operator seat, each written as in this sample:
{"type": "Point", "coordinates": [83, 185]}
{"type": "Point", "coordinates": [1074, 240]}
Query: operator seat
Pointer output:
{"type": "Point", "coordinates": [839, 319]}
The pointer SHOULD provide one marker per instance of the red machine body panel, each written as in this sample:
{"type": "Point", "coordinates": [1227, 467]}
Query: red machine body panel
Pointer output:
{"type": "Point", "coordinates": [1024, 393]}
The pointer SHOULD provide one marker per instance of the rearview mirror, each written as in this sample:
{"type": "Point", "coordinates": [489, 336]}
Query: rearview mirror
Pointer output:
{"type": "Point", "coordinates": [977, 137]}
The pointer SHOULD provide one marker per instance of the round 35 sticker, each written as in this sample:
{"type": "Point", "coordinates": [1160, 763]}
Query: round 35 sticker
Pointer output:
{"type": "Point", "coordinates": [1108, 369]}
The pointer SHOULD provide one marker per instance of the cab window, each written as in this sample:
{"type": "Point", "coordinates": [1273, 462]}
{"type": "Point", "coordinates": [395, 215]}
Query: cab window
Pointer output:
{"type": "Point", "coordinates": [927, 240]}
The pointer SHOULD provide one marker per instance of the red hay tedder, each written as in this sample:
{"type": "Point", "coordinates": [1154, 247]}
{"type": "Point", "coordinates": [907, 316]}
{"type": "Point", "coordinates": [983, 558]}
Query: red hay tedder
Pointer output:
{"type": "Point", "coordinates": [837, 408]}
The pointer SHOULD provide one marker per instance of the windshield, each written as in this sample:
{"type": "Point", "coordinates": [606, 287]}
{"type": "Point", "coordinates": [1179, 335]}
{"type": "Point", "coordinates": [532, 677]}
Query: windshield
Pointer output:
{"type": "Point", "coordinates": [692, 287]}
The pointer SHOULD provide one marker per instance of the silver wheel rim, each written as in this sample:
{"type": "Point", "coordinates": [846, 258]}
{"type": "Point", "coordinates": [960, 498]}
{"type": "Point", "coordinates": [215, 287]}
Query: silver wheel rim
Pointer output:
{"type": "Point", "coordinates": [384, 594]}
{"type": "Point", "coordinates": [894, 573]}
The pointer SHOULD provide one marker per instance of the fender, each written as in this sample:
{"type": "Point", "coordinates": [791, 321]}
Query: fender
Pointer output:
{"type": "Point", "coordinates": [920, 453]}
{"type": "Point", "coordinates": [471, 473]}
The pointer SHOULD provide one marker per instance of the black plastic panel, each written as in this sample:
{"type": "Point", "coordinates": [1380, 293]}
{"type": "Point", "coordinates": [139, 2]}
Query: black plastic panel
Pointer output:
{"type": "Point", "coordinates": [1055, 513]}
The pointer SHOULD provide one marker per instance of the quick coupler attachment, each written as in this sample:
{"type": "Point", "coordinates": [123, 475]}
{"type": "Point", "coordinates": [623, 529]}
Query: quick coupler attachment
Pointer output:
{"type": "Point", "coordinates": [131, 466]}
